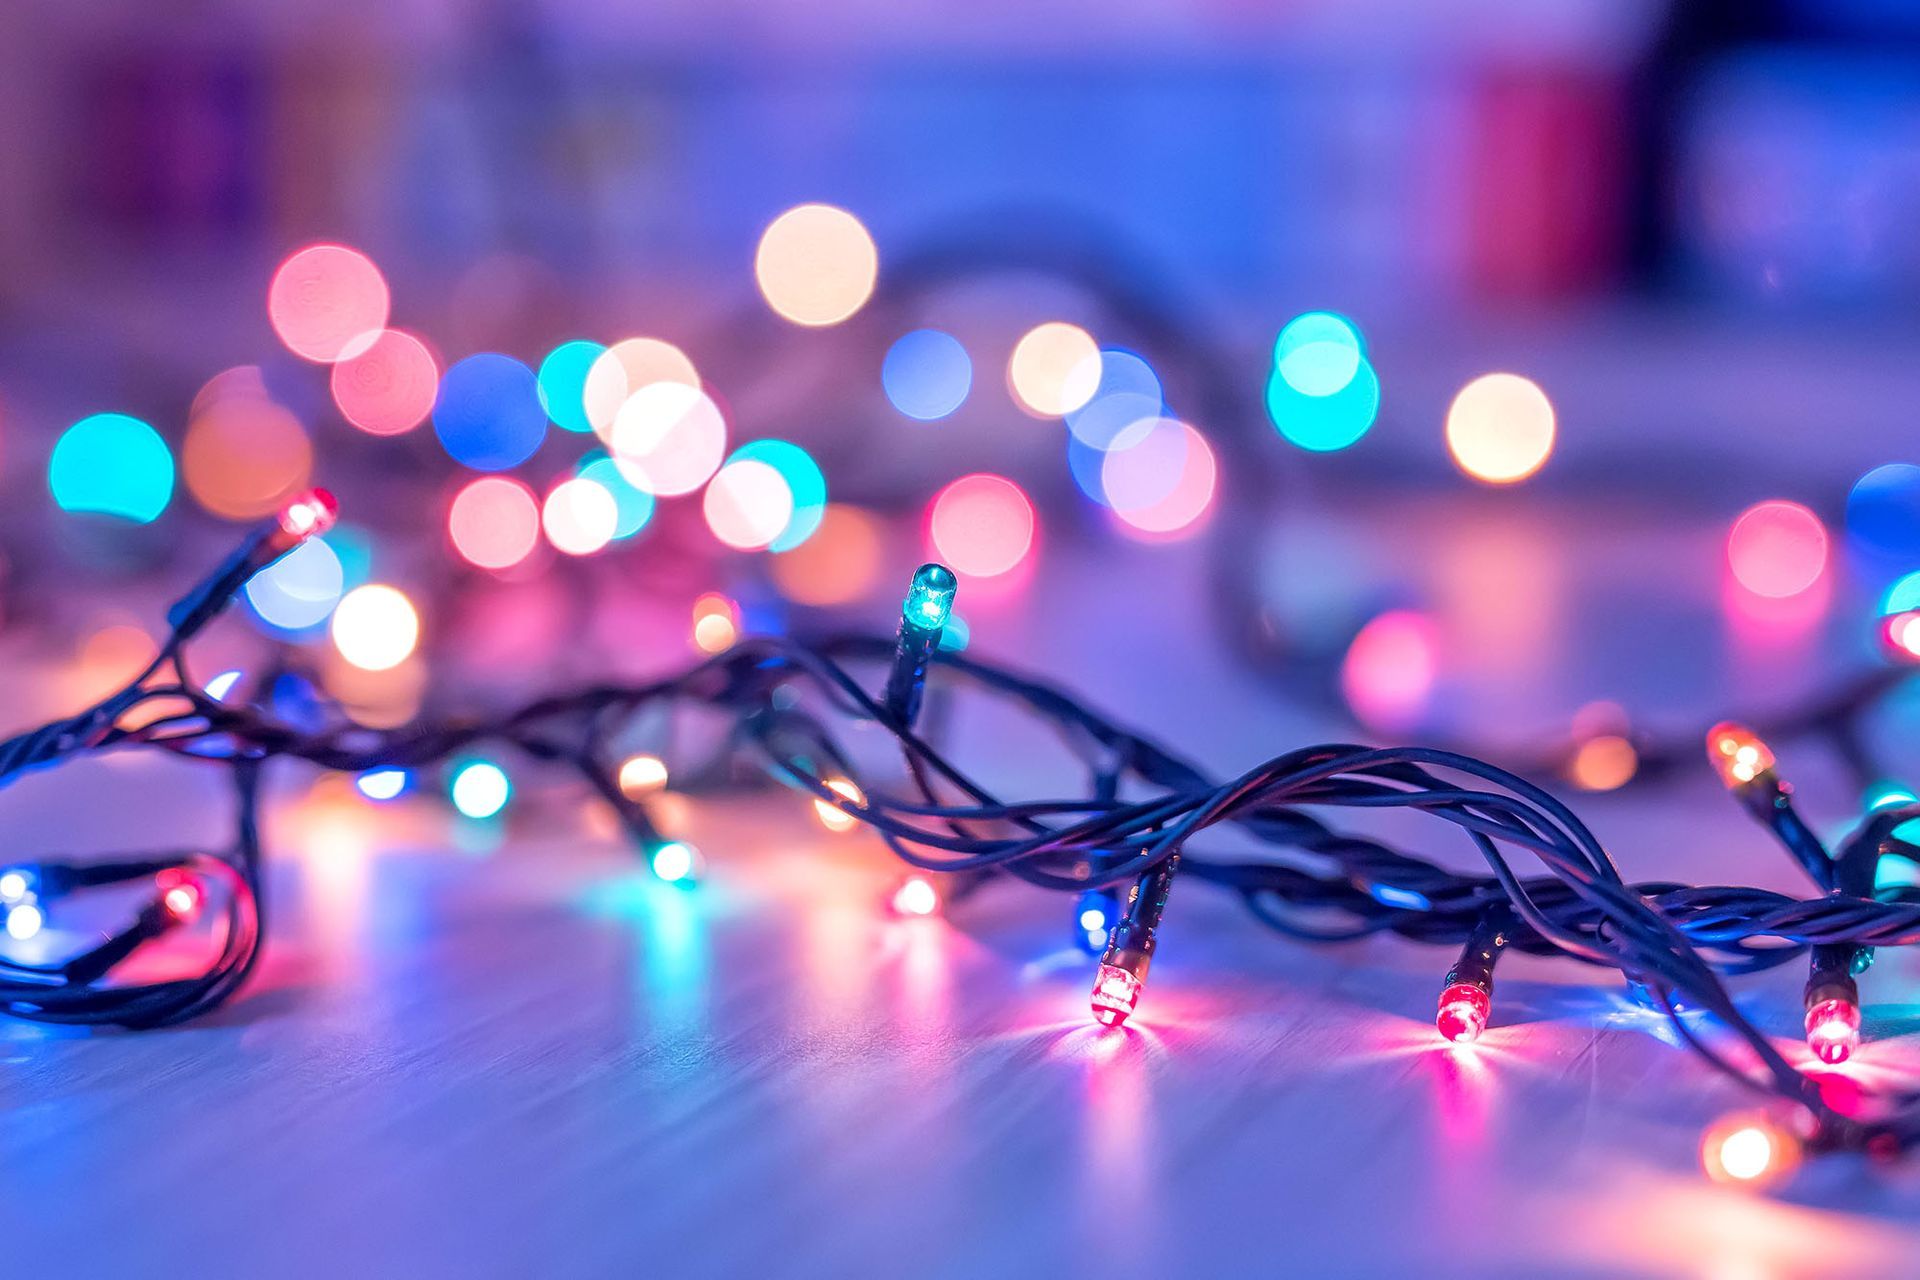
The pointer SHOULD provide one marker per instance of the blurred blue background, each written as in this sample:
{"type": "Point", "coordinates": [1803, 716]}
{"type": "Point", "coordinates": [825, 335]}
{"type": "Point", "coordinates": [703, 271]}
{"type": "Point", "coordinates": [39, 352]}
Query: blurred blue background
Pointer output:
{"type": "Point", "coordinates": [1685, 230]}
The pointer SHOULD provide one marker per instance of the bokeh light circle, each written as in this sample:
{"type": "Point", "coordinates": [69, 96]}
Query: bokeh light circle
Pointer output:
{"type": "Point", "coordinates": [982, 525]}
{"type": "Point", "coordinates": [1903, 595]}
{"type": "Point", "coordinates": [563, 383]}
{"type": "Point", "coordinates": [1144, 464]}
{"type": "Point", "coordinates": [806, 484]}
{"type": "Point", "coordinates": [389, 387]}
{"type": "Point", "coordinates": [245, 457]}
{"type": "Point", "coordinates": [816, 264]}
{"type": "Point", "coordinates": [633, 507]}
{"type": "Point", "coordinates": [375, 627]}
{"type": "Point", "coordinates": [382, 784]}
{"type": "Point", "coordinates": [1777, 549]}
{"type": "Point", "coordinates": [494, 522]}
{"type": "Point", "coordinates": [1126, 389]}
{"type": "Point", "coordinates": [1163, 484]}
{"type": "Point", "coordinates": [623, 369]}
{"type": "Point", "coordinates": [1318, 353]}
{"type": "Point", "coordinates": [1105, 419]}
{"type": "Point", "coordinates": [668, 438]}
{"type": "Point", "coordinates": [579, 517]}
{"type": "Point", "coordinates": [1883, 511]}
{"type": "Point", "coordinates": [480, 789]}
{"type": "Point", "coordinates": [716, 623]}
{"type": "Point", "coordinates": [1112, 420]}
{"type": "Point", "coordinates": [1606, 762]}
{"type": "Point", "coordinates": [927, 374]}
{"type": "Point", "coordinates": [837, 565]}
{"type": "Point", "coordinates": [1055, 368]}
{"type": "Point", "coordinates": [1325, 423]}
{"type": "Point", "coordinates": [488, 414]}
{"type": "Point", "coordinates": [748, 504]}
{"type": "Point", "coordinates": [642, 775]}
{"type": "Point", "coordinates": [327, 302]}
{"type": "Point", "coordinates": [242, 382]}
{"type": "Point", "coordinates": [1500, 428]}
{"type": "Point", "coordinates": [1118, 371]}
{"type": "Point", "coordinates": [1389, 670]}
{"type": "Point", "coordinates": [112, 464]}
{"type": "Point", "coordinates": [299, 589]}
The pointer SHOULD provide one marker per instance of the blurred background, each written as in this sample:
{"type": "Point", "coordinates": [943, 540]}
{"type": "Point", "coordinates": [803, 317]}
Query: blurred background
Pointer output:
{"type": "Point", "coordinates": [1464, 372]}
{"type": "Point", "coordinates": [1532, 376]}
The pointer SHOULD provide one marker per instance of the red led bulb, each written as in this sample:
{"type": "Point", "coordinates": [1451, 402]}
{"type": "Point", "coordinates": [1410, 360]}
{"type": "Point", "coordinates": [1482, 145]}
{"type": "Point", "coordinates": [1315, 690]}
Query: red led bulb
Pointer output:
{"type": "Point", "coordinates": [1115, 993]}
{"type": "Point", "coordinates": [1463, 1013]}
{"type": "Point", "coordinates": [1738, 754]}
{"type": "Point", "coordinates": [1833, 1030]}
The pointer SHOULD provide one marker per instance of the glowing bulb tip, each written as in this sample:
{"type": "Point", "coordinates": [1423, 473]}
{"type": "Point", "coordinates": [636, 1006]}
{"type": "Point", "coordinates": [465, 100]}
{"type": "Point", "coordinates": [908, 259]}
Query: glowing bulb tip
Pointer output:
{"type": "Point", "coordinates": [1115, 994]}
{"type": "Point", "coordinates": [1464, 1009]}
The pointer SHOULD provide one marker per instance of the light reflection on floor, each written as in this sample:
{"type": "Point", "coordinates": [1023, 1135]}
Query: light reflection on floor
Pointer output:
{"type": "Point", "coordinates": [670, 947]}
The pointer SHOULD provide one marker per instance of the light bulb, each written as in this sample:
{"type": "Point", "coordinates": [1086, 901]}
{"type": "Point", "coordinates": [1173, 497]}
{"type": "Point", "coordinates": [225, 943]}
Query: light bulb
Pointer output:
{"type": "Point", "coordinates": [1466, 994]}
{"type": "Point", "coordinates": [381, 784]}
{"type": "Point", "coordinates": [929, 600]}
{"type": "Point", "coordinates": [1749, 1150]}
{"type": "Point", "coordinates": [834, 818]}
{"type": "Point", "coordinates": [675, 862]}
{"type": "Point", "coordinates": [1115, 993]}
{"type": "Point", "coordinates": [1463, 1012]}
{"type": "Point", "coordinates": [1833, 1030]}
{"type": "Point", "coordinates": [923, 618]}
{"type": "Point", "coordinates": [1738, 754]}
{"type": "Point", "coordinates": [309, 515]}
{"type": "Point", "coordinates": [24, 920]}
{"type": "Point", "coordinates": [1901, 632]}
{"type": "Point", "coordinates": [916, 896]}
{"type": "Point", "coordinates": [642, 775]}
{"type": "Point", "coordinates": [181, 895]}
{"type": "Point", "coordinates": [481, 789]}
{"type": "Point", "coordinates": [15, 884]}
{"type": "Point", "coordinates": [1093, 916]}
{"type": "Point", "coordinates": [1131, 942]}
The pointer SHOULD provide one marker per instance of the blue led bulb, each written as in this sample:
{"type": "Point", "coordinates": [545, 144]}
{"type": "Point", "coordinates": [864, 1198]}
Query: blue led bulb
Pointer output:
{"type": "Point", "coordinates": [923, 620]}
{"type": "Point", "coordinates": [929, 600]}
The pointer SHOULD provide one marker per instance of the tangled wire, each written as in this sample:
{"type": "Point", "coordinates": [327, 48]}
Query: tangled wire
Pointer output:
{"type": "Point", "coordinates": [1548, 887]}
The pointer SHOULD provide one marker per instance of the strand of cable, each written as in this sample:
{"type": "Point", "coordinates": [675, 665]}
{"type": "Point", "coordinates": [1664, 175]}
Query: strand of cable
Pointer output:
{"type": "Point", "coordinates": [1134, 828]}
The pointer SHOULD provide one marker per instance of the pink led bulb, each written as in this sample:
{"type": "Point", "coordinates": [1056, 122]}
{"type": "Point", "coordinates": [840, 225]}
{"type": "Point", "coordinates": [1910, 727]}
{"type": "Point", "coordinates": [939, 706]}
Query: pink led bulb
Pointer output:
{"type": "Point", "coordinates": [1833, 1030]}
{"type": "Point", "coordinates": [180, 894]}
{"type": "Point", "coordinates": [1115, 993]}
{"type": "Point", "coordinates": [1463, 1012]}
{"type": "Point", "coordinates": [309, 515]}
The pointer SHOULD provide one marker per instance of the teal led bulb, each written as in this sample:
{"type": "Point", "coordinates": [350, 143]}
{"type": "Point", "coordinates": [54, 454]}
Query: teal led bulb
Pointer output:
{"type": "Point", "coordinates": [930, 599]}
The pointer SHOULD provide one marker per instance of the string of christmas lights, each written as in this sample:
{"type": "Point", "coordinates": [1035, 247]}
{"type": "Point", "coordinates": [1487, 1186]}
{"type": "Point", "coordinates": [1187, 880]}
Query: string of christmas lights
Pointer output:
{"type": "Point", "coordinates": [1117, 849]}
{"type": "Point", "coordinates": [1834, 719]}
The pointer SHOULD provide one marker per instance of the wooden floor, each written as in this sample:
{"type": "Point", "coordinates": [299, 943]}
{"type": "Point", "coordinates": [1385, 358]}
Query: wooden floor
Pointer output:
{"type": "Point", "coordinates": [510, 1053]}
